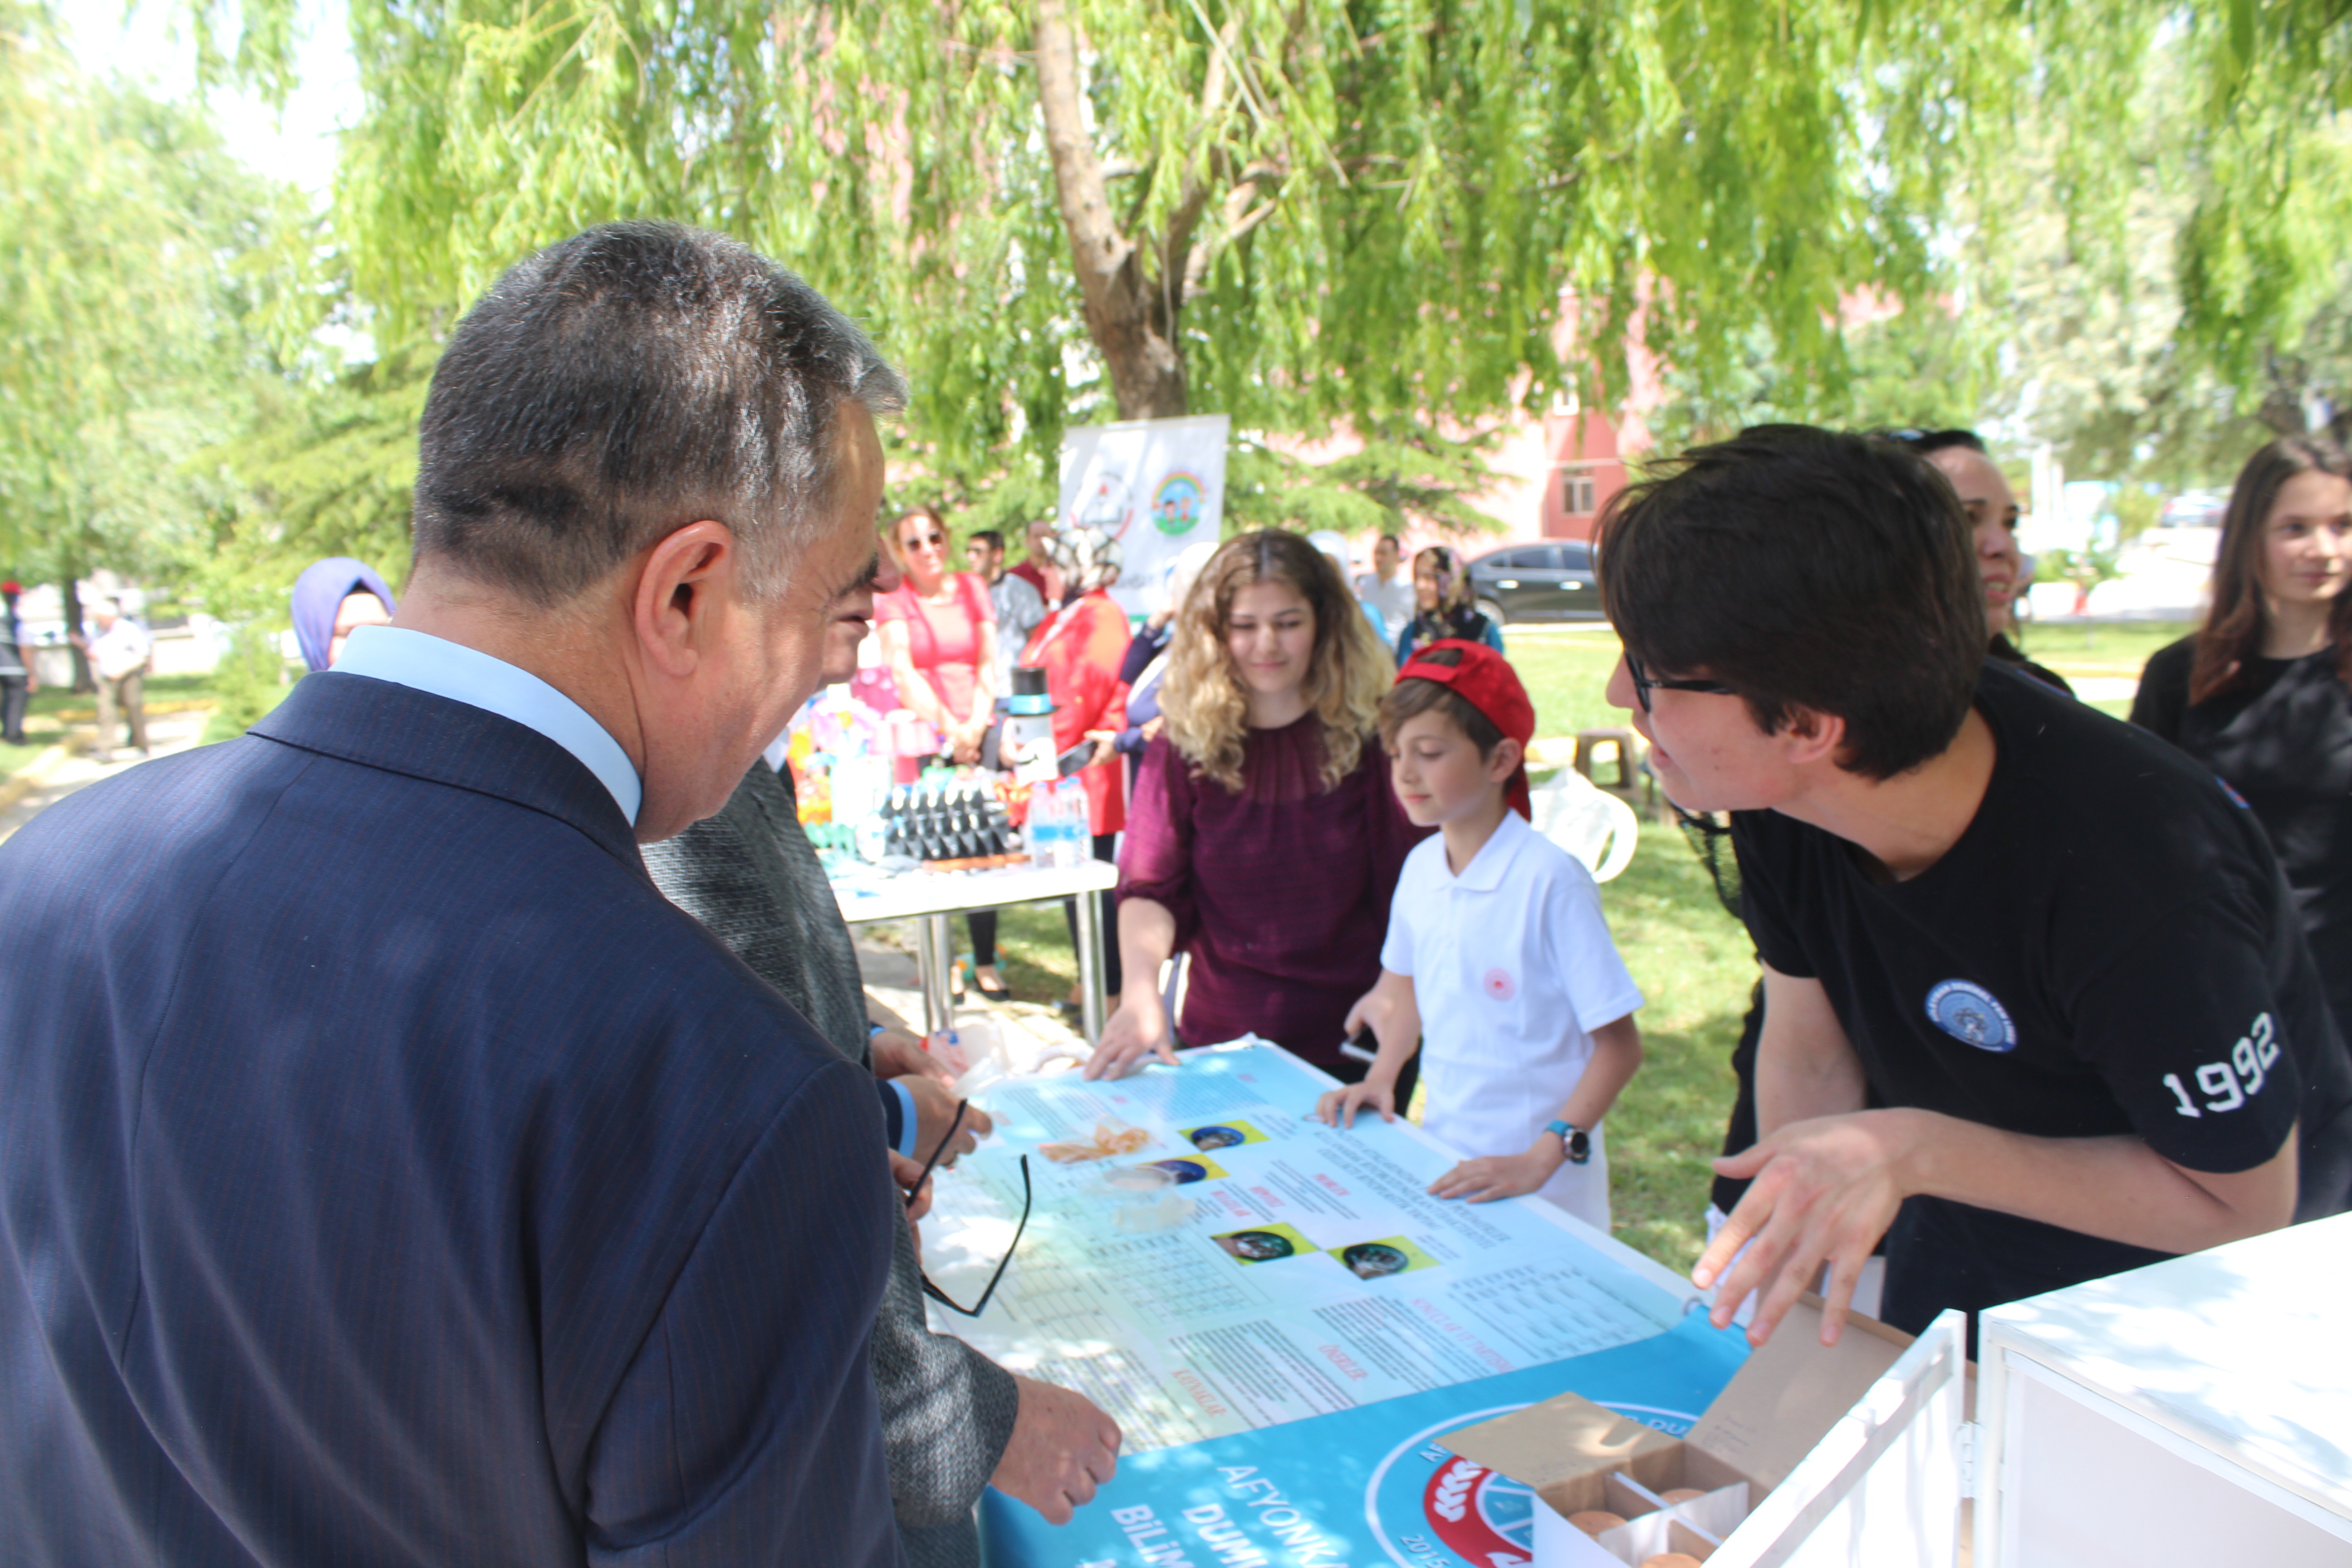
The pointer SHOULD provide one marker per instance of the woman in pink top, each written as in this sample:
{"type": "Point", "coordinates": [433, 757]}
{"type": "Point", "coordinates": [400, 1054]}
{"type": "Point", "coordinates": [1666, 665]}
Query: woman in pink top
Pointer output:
{"type": "Point", "coordinates": [938, 637]}
{"type": "Point", "coordinates": [1263, 840]}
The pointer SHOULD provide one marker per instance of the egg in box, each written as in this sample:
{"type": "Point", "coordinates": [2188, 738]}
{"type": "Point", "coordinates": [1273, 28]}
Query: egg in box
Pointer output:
{"type": "Point", "coordinates": [1681, 1494]}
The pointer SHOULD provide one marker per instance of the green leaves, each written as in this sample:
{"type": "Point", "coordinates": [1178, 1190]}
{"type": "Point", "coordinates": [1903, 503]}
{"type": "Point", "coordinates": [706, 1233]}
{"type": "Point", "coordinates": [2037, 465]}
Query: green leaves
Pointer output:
{"type": "Point", "coordinates": [148, 280]}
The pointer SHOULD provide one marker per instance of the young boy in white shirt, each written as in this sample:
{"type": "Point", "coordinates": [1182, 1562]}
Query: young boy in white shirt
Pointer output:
{"type": "Point", "coordinates": [1496, 953]}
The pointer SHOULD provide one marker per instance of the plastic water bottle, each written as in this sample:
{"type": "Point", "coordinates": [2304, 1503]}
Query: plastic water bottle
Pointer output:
{"type": "Point", "coordinates": [1054, 825]}
{"type": "Point", "coordinates": [1077, 817]}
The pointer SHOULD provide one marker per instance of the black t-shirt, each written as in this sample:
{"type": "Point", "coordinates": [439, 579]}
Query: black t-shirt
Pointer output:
{"type": "Point", "coordinates": [2282, 739]}
{"type": "Point", "coordinates": [2009, 653]}
{"type": "Point", "coordinates": [2107, 948]}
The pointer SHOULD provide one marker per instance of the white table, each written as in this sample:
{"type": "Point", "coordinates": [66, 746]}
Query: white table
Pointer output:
{"type": "Point", "coordinates": [931, 897]}
{"type": "Point", "coordinates": [2195, 1412]}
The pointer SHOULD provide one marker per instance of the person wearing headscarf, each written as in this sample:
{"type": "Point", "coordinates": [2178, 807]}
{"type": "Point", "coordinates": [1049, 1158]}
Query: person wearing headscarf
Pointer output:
{"type": "Point", "coordinates": [1441, 588]}
{"type": "Point", "coordinates": [1146, 664]}
{"type": "Point", "coordinates": [1080, 646]}
{"type": "Point", "coordinates": [330, 598]}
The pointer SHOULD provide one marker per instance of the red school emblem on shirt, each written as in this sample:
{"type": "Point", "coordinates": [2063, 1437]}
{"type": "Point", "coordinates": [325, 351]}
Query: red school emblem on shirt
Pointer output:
{"type": "Point", "coordinates": [1498, 983]}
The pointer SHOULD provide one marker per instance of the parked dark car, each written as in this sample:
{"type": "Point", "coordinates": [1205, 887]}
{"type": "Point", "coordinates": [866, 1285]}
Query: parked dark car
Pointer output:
{"type": "Point", "coordinates": [1524, 583]}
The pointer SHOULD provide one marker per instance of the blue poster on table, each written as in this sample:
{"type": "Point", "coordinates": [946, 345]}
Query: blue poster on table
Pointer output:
{"type": "Point", "coordinates": [1369, 1486]}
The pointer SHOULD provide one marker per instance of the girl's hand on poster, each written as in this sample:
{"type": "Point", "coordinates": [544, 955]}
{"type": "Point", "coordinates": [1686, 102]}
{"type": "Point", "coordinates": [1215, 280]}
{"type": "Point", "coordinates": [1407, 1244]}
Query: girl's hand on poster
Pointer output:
{"type": "Point", "coordinates": [1337, 1107]}
{"type": "Point", "coordinates": [1502, 1175]}
{"type": "Point", "coordinates": [1138, 1028]}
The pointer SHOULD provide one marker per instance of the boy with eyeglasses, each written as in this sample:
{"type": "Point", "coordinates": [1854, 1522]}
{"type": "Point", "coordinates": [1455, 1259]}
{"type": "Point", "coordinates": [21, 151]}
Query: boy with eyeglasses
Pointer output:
{"type": "Point", "coordinates": [2062, 958]}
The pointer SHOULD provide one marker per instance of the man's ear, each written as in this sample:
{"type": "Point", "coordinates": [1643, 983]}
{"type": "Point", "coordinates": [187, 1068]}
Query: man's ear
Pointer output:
{"type": "Point", "coordinates": [1809, 735]}
{"type": "Point", "coordinates": [1505, 760]}
{"type": "Point", "coordinates": [679, 592]}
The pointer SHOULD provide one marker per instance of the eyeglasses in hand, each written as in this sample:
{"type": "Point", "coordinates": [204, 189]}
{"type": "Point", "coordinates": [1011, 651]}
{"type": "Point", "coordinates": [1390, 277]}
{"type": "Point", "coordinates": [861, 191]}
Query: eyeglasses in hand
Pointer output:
{"type": "Point", "coordinates": [1644, 683]}
{"type": "Point", "coordinates": [1027, 1199]}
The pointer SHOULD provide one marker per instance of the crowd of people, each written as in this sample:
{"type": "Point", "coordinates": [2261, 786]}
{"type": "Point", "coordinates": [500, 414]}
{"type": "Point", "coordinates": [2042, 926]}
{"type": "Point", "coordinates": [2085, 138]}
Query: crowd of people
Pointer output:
{"type": "Point", "coordinates": [450, 1124]}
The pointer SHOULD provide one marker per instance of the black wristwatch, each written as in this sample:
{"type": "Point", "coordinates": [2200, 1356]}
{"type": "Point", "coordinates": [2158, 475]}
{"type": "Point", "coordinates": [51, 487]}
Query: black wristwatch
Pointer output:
{"type": "Point", "coordinates": [1575, 1139]}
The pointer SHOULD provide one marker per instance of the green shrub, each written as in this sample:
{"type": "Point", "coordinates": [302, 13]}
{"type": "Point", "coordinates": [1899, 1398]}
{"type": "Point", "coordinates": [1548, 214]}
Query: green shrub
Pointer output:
{"type": "Point", "coordinates": [250, 680]}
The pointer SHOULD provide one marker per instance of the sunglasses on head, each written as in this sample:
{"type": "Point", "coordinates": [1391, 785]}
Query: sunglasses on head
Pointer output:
{"type": "Point", "coordinates": [1644, 683]}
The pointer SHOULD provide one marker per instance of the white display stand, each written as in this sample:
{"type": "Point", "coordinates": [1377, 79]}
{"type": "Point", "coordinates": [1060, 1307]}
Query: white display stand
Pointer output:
{"type": "Point", "coordinates": [2195, 1412]}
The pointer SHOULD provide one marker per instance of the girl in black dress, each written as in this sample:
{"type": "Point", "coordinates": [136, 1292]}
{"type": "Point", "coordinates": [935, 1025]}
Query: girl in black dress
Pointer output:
{"type": "Point", "coordinates": [2262, 695]}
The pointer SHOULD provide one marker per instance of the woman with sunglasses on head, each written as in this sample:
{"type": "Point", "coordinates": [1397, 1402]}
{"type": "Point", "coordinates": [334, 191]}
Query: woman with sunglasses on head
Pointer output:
{"type": "Point", "coordinates": [938, 630]}
{"type": "Point", "coordinates": [2263, 694]}
{"type": "Point", "coordinates": [1441, 589]}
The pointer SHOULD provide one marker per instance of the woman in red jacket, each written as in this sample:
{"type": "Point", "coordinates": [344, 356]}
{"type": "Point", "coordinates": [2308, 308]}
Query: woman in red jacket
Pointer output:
{"type": "Point", "coordinates": [1080, 647]}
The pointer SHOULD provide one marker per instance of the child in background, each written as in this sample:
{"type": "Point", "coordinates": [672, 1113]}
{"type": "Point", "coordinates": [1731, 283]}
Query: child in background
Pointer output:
{"type": "Point", "coordinates": [1497, 948]}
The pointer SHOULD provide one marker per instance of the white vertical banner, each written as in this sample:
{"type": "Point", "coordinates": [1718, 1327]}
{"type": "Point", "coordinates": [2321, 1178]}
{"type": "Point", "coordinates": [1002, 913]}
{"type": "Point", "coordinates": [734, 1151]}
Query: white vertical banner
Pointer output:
{"type": "Point", "coordinates": [1157, 485]}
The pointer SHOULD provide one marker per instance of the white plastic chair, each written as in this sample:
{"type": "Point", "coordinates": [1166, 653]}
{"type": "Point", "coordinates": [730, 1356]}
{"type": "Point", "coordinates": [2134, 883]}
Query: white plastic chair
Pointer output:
{"type": "Point", "coordinates": [1587, 821]}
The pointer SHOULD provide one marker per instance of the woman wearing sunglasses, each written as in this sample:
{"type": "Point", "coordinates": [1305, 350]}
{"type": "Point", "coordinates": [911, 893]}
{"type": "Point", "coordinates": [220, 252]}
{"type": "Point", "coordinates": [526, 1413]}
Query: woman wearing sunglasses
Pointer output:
{"type": "Point", "coordinates": [938, 637]}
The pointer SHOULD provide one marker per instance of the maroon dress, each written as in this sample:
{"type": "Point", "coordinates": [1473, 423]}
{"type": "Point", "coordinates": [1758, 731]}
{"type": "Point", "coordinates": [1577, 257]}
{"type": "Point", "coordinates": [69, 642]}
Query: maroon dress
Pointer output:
{"type": "Point", "coordinates": [1280, 893]}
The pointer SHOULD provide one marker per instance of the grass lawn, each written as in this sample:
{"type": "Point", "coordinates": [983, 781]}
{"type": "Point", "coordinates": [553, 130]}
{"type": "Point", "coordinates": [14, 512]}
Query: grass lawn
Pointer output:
{"type": "Point", "coordinates": [47, 713]}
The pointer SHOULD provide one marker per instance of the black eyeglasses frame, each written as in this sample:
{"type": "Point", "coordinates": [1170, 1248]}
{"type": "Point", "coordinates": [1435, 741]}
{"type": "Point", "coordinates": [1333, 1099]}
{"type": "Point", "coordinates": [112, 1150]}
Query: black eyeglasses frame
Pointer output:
{"type": "Point", "coordinates": [1028, 1198]}
{"type": "Point", "coordinates": [1644, 683]}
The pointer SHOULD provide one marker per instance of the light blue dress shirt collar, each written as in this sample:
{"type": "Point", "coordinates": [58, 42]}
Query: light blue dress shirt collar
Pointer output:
{"type": "Point", "coordinates": [461, 674]}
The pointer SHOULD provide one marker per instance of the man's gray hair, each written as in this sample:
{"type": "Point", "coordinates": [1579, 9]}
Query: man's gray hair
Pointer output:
{"type": "Point", "coordinates": [615, 387]}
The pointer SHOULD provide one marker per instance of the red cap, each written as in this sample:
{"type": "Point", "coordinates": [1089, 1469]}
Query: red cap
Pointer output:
{"type": "Point", "coordinates": [1485, 680]}
{"type": "Point", "coordinates": [10, 587]}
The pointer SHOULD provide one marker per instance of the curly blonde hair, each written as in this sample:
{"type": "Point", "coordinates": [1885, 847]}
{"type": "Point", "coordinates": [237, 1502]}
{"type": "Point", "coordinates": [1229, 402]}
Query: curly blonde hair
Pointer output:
{"type": "Point", "coordinates": [1203, 699]}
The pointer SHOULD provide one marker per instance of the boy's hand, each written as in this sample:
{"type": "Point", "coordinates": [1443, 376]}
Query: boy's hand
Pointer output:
{"type": "Point", "coordinates": [1339, 1107]}
{"type": "Point", "coordinates": [1502, 1175]}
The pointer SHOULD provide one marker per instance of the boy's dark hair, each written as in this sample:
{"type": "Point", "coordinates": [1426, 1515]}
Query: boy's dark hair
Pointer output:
{"type": "Point", "coordinates": [618, 387]}
{"type": "Point", "coordinates": [1806, 568]}
{"type": "Point", "coordinates": [987, 536]}
{"type": "Point", "coordinates": [1413, 697]}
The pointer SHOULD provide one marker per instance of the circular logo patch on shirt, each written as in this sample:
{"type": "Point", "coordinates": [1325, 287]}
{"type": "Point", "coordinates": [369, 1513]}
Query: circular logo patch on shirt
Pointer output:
{"type": "Point", "coordinates": [1968, 1011]}
{"type": "Point", "coordinates": [1499, 985]}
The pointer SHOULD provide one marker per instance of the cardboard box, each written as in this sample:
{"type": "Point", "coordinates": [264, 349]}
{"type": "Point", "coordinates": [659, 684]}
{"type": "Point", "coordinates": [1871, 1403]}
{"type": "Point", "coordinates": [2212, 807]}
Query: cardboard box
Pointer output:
{"type": "Point", "coordinates": [1578, 1457]}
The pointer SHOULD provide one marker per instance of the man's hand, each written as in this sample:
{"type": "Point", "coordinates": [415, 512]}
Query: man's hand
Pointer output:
{"type": "Point", "coordinates": [1337, 1107]}
{"type": "Point", "coordinates": [897, 1053]}
{"type": "Point", "coordinates": [935, 1110]}
{"type": "Point", "coordinates": [905, 1173]}
{"type": "Point", "coordinates": [1824, 1191]}
{"type": "Point", "coordinates": [1061, 1448]}
{"type": "Point", "coordinates": [1496, 1177]}
{"type": "Point", "coordinates": [1138, 1028]}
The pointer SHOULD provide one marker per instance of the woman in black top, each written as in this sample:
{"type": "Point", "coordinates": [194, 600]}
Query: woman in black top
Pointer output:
{"type": "Point", "coordinates": [2262, 695]}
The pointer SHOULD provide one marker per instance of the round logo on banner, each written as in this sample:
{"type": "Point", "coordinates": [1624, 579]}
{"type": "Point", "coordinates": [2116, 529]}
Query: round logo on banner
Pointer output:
{"type": "Point", "coordinates": [1176, 505]}
{"type": "Point", "coordinates": [1499, 985]}
{"type": "Point", "coordinates": [1424, 1501]}
{"type": "Point", "coordinates": [1969, 1014]}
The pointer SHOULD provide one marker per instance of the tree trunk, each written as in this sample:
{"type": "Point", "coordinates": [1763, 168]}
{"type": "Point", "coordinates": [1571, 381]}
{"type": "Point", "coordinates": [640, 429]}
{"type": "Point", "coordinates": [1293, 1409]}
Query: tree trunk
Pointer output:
{"type": "Point", "coordinates": [1129, 316]}
{"type": "Point", "coordinates": [69, 590]}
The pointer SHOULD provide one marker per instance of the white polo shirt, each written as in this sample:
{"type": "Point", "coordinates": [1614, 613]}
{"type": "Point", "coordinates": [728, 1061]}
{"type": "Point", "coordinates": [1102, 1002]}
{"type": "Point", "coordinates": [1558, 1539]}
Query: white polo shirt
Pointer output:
{"type": "Point", "coordinates": [1512, 969]}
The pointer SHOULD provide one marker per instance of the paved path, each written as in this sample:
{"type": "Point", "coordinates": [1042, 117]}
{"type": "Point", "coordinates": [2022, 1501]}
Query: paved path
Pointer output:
{"type": "Point", "coordinates": [66, 768]}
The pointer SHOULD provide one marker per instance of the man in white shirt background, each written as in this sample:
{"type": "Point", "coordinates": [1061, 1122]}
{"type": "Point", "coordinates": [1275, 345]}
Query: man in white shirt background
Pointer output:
{"type": "Point", "coordinates": [119, 656]}
{"type": "Point", "coordinates": [1387, 587]}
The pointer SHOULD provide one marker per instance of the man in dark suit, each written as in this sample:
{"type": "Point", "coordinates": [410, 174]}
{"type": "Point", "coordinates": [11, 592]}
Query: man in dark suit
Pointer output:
{"type": "Point", "coordinates": [953, 1422]}
{"type": "Point", "coordinates": [388, 1172]}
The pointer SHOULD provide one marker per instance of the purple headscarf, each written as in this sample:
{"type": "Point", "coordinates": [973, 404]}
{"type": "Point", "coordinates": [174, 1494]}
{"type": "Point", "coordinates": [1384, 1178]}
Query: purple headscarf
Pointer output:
{"type": "Point", "coordinates": [319, 593]}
